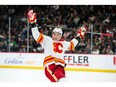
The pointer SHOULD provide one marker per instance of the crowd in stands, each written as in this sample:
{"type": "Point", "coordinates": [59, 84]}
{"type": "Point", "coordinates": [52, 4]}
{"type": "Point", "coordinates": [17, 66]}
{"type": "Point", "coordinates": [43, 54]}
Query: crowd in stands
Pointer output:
{"type": "Point", "coordinates": [99, 20]}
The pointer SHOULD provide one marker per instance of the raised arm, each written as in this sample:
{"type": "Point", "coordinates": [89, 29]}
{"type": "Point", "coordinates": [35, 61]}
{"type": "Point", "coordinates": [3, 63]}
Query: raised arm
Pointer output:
{"type": "Point", "coordinates": [35, 33]}
{"type": "Point", "coordinates": [76, 41]}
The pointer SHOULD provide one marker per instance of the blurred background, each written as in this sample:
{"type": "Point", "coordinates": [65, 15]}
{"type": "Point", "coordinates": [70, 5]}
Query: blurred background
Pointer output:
{"type": "Point", "coordinates": [99, 20]}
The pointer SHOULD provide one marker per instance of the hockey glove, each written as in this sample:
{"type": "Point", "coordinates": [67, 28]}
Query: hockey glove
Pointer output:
{"type": "Point", "coordinates": [81, 32]}
{"type": "Point", "coordinates": [32, 17]}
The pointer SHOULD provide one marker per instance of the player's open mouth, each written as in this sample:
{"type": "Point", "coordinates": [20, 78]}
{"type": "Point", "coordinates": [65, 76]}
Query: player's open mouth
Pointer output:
{"type": "Point", "coordinates": [54, 38]}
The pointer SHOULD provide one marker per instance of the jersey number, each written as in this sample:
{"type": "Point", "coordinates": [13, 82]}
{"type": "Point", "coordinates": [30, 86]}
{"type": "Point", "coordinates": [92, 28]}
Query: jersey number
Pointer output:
{"type": "Point", "coordinates": [57, 47]}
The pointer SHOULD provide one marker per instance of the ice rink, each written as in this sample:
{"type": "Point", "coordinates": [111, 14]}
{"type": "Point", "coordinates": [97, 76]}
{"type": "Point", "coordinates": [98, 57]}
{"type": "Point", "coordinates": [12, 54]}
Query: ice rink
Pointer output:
{"type": "Point", "coordinates": [29, 75]}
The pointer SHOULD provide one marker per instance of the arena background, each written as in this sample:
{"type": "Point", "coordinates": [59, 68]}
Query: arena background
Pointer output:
{"type": "Point", "coordinates": [99, 44]}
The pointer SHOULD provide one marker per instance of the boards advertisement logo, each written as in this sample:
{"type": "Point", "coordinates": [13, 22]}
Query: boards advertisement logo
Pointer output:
{"type": "Point", "coordinates": [15, 60]}
{"type": "Point", "coordinates": [19, 60]}
{"type": "Point", "coordinates": [77, 60]}
{"type": "Point", "coordinates": [114, 60]}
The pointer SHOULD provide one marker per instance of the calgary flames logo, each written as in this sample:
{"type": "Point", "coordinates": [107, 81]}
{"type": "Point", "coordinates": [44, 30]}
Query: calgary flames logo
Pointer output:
{"type": "Point", "coordinates": [57, 47]}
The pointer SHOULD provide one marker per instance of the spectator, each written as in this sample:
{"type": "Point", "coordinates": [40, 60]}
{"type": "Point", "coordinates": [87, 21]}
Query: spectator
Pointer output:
{"type": "Point", "coordinates": [95, 50]}
{"type": "Point", "coordinates": [109, 50]}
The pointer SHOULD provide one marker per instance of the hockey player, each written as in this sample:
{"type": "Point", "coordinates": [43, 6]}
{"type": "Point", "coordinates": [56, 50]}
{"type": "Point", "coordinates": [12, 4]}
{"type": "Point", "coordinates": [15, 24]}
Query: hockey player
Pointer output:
{"type": "Point", "coordinates": [54, 49]}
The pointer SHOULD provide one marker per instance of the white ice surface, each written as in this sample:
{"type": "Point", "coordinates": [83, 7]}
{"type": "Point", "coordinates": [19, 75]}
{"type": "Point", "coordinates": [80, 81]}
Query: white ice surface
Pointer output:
{"type": "Point", "coordinates": [27, 75]}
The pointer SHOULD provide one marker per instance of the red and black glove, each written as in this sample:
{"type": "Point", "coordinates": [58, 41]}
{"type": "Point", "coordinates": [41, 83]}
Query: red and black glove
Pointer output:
{"type": "Point", "coordinates": [81, 32]}
{"type": "Point", "coordinates": [32, 17]}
